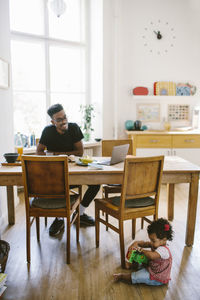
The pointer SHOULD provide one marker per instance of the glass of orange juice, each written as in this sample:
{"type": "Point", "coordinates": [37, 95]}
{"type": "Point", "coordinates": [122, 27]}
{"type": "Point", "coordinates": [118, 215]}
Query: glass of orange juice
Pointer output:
{"type": "Point", "coordinates": [20, 152]}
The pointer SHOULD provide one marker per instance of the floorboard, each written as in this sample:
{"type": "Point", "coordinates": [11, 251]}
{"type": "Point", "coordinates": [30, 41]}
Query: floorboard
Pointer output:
{"type": "Point", "coordinates": [89, 276]}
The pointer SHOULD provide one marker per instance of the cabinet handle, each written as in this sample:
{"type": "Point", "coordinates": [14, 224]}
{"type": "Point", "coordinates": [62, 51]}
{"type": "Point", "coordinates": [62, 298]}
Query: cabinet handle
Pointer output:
{"type": "Point", "coordinates": [189, 141]}
{"type": "Point", "coordinates": [174, 152]}
{"type": "Point", "coordinates": [154, 141]}
{"type": "Point", "coordinates": [168, 153]}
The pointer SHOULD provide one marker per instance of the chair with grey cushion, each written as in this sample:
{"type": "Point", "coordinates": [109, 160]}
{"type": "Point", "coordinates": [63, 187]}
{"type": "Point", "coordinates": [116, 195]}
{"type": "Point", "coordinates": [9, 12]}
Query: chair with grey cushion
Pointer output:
{"type": "Point", "coordinates": [47, 194]}
{"type": "Point", "coordinates": [139, 197]}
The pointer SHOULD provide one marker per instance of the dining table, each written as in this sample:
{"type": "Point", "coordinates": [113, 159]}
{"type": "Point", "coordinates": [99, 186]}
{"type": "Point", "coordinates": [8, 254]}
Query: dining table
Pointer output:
{"type": "Point", "coordinates": [175, 170]}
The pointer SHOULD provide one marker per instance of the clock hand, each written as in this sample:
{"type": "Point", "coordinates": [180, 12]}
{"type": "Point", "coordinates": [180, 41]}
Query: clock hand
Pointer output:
{"type": "Point", "coordinates": [158, 34]}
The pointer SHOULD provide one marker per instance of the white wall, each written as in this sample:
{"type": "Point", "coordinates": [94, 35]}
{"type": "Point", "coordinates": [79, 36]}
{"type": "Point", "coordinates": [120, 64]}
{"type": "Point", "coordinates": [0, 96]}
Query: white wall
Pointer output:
{"type": "Point", "coordinates": [128, 63]}
{"type": "Point", "coordinates": [6, 111]}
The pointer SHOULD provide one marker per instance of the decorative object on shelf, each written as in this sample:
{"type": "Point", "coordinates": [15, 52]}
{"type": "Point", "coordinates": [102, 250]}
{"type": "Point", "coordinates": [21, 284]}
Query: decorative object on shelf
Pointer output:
{"type": "Point", "coordinates": [129, 125]}
{"type": "Point", "coordinates": [158, 37]}
{"type": "Point", "coordinates": [98, 139]}
{"type": "Point", "coordinates": [167, 126]}
{"type": "Point", "coordinates": [165, 88]}
{"type": "Point", "coordinates": [178, 112]}
{"type": "Point", "coordinates": [144, 127]}
{"type": "Point", "coordinates": [140, 91]}
{"type": "Point", "coordinates": [87, 112]}
{"type": "Point", "coordinates": [148, 112]}
{"type": "Point", "coordinates": [137, 125]}
{"type": "Point", "coordinates": [58, 7]}
{"type": "Point", "coordinates": [4, 74]}
{"type": "Point", "coordinates": [185, 89]}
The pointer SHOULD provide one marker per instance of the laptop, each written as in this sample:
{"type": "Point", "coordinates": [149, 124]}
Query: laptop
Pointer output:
{"type": "Point", "coordinates": [118, 154]}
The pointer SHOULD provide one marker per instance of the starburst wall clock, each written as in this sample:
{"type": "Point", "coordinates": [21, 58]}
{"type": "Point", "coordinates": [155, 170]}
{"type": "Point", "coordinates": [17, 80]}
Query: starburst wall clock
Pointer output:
{"type": "Point", "coordinates": [159, 37]}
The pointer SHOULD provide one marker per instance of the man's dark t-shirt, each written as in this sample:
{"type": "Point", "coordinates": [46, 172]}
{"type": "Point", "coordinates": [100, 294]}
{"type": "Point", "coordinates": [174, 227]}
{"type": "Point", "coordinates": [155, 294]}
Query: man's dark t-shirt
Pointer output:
{"type": "Point", "coordinates": [57, 142]}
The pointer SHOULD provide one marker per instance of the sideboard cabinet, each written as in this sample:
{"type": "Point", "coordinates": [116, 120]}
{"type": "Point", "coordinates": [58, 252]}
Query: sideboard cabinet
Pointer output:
{"type": "Point", "coordinates": [170, 143]}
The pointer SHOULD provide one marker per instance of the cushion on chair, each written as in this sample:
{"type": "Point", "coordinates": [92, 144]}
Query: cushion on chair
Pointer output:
{"type": "Point", "coordinates": [51, 203]}
{"type": "Point", "coordinates": [140, 202]}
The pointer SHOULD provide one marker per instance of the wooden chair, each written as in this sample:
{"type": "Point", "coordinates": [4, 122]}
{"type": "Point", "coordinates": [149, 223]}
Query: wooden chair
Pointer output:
{"type": "Point", "coordinates": [47, 194]}
{"type": "Point", "coordinates": [107, 147]}
{"type": "Point", "coordinates": [139, 197]}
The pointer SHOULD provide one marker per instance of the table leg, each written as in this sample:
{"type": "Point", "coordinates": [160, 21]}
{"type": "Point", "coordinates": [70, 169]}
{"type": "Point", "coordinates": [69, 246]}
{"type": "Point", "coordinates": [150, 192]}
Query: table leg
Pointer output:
{"type": "Point", "coordinates": [170, 195]}
{"type": "Point", "coordinates": [10, 205]}
{"type": "Point", "coordinates": [192, 209]}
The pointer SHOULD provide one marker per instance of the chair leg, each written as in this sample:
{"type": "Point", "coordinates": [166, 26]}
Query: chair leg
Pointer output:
{"type": "Point", "coordinates": [68, 240]}
{"type": "Point", "coordinates": [104, 195]}
{"type": "Point", "coordinates": [106, 222]}
{"type": "Point", "coordinates": [97, 225]}
{"type": "Point", "coordinates": [142, 223]}
{"type": "Point", "coordinates": [37, 220]}
{"type": "Point", "coordinates": [121, 240]}
{"type": "Point", "coordinates": [45, 221]}
{"type": "Point", "coordinates": [77, 224]}
{"type": "Point", "coordinates": [133, 228]}
{"type": "Point", "coordinates": [28, 246]}
{"type": "Point", "coordinates": [80, 192]}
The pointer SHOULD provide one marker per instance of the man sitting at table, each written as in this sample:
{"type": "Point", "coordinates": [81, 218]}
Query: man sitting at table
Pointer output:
{"type": "Point", "coordinates": [65, 138]}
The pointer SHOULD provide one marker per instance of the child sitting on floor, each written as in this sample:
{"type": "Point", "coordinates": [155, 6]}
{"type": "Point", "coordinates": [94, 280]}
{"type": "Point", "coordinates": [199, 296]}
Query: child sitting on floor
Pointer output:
{"type": "Point", "coordinates": [158, 269]}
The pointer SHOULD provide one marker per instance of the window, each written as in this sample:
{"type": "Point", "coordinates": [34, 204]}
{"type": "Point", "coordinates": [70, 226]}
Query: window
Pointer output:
{"type": "Point", "coordinates": [48, 57]}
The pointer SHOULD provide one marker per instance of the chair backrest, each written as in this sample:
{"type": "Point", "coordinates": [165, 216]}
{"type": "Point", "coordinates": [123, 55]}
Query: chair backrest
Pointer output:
{"type": "Point", "coordinates": [46, 177]}
{"type": "Point", "coordinates": [142, 178]}
{"type": "Point", "coordinates": [107, 146]}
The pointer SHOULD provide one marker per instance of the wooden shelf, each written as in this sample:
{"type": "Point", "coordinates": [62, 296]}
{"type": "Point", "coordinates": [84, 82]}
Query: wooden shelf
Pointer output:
{"type": "Point", "coordinates": [164, 97]}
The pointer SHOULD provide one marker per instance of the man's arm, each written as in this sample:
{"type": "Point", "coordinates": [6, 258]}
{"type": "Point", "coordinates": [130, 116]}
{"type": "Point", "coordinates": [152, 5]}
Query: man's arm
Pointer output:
{"type": "Point", "coordinates": [40, 149]}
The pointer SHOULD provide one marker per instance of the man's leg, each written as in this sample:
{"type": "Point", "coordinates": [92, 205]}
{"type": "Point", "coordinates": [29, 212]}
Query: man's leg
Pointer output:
{"type": "Point", "coordinates": [58, 223]}
{"type": "Point", "coordinates": [56, 226]}
{"type": "Point", "coordinates": [87, 199]}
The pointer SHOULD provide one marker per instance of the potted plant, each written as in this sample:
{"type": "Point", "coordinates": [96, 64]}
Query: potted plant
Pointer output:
{"type": "Point", "coordinates": [87, 111]}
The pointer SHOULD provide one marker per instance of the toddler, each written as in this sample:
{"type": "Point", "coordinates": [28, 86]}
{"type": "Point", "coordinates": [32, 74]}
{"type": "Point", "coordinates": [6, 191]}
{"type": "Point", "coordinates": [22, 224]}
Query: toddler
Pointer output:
{"type": "Point", "coordinates": [158, 270]}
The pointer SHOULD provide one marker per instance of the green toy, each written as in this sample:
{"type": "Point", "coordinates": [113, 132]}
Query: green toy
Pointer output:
{"type": "Point", "coordinates": [137, 257]}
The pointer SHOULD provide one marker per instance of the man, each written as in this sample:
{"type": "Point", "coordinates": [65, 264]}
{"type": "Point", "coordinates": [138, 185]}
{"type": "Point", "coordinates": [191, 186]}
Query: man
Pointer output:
{"type": "Point", "coordinates": [65, 138]}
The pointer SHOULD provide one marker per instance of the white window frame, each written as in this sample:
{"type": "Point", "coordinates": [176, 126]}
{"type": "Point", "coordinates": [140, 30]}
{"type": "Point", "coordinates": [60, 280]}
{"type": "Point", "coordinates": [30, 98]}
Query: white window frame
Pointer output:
{"type": "Point", "coordinates": [48, 41]}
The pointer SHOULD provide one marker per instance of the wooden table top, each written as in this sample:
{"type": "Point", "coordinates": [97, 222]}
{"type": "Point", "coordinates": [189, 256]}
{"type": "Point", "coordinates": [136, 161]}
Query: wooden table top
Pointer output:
{"type": "Point", "coordinates": [172, 164]}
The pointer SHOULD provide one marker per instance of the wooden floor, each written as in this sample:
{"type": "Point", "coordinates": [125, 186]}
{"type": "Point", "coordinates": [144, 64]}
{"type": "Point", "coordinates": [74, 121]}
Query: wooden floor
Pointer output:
{"type": "Point", "coordinates": [89, 276]}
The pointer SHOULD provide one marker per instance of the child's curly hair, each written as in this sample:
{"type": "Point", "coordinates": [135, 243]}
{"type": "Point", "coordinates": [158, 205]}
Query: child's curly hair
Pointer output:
{"type": "Point", "coordinates": [162, 228]}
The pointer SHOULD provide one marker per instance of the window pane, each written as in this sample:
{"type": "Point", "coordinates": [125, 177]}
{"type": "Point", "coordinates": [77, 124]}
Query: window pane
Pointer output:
{"type": "Point", "coordinates": [28, 66]}
{"type": "Point", "coordinates": [27, 16]}
{"type": "Point", "coordinates": [29, 113]}
{"type": "Point", "coordinates": [67, 69]}
{"type": "Point", "coordinates": [68, 26]}
{"type": "Point", "coordinates": [71, 104]}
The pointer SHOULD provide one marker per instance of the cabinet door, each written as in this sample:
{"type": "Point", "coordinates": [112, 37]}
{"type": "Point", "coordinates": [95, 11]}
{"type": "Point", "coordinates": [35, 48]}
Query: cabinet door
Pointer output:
{"type": "Point", "coordinates": [153, 151]}
{"type": "Point", "coordinates": [154, 141]}
{"type": "Point", "coordinates": [191, 154]}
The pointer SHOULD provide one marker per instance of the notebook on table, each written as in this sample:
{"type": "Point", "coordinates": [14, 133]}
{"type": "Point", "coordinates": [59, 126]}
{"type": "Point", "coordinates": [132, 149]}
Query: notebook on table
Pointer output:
{"type": "Point", "coordinates": [118, 154]}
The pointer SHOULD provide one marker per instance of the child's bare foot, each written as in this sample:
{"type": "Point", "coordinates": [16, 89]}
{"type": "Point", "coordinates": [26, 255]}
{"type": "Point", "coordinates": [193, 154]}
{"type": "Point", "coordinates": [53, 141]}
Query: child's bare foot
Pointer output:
{"type": "Point", "coordinates": [122, 276]}
{"type": "Point", "coordinates": [117, 277]}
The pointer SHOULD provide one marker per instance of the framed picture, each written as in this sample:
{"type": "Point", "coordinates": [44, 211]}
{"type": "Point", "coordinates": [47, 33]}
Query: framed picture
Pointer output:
{"type": "Point", "coordinates": [4, 74]}
{"type": "Point", "coordinates": [148, 112]}
{"type": "Point", "coordinates": [178, 112]}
